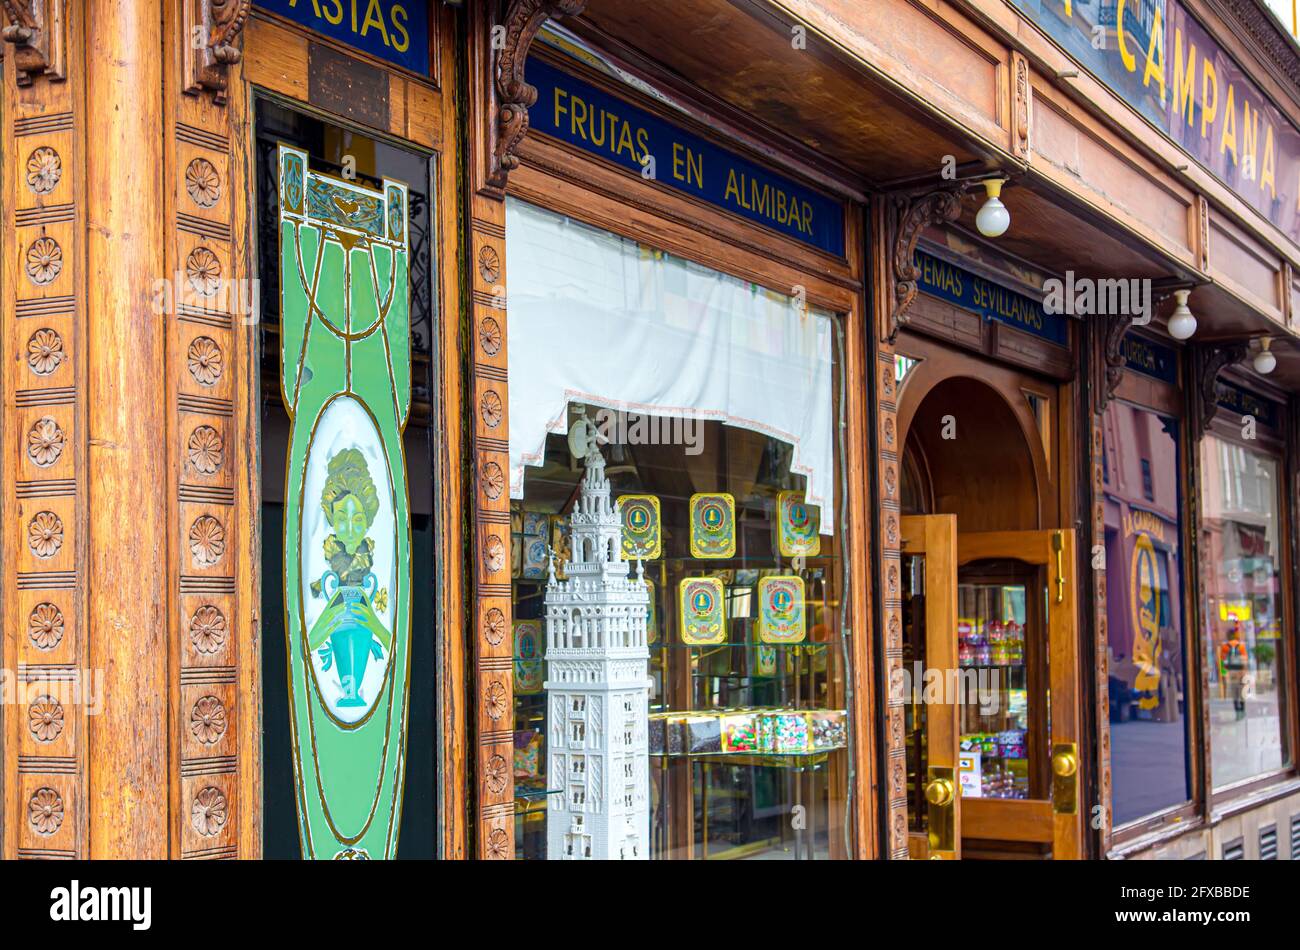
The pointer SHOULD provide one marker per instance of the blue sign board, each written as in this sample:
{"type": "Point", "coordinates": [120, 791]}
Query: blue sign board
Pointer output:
{"type": "Point", "coordinates": [1243, 401]}
{"type": "Point", "coordinates": [1151, 359]}
{"type": "Point", "coordinates": [970, 291]}
{"type": "Point", "coordinates": [596, 122]}
{"type": "Point", "coordinates": [396, 31]}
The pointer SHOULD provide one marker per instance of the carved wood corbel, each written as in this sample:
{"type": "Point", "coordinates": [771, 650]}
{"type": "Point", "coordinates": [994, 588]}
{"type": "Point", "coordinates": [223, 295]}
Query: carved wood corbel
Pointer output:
{"type": "Point", "coordinates": [912, 215]}
{"type": "Point", "coordinates": [212, 28]}
{"type": "Point", "coordinates": [37, 29]}
{"type": "Point", "coordinates": [1208, 361]}
{"type": "Point", "coordinates": [1109, 357]}
{"type": "Point", "coordinates": [513, 93]}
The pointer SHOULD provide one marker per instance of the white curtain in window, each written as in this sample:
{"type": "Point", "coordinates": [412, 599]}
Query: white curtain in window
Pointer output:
{"type": "Point", "coordinates": [598, 319]}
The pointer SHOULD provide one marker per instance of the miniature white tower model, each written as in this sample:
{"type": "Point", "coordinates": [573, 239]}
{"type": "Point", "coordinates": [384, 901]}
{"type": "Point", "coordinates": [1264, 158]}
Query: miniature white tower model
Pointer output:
{"type": "Point", "coordinates": [597, 659]}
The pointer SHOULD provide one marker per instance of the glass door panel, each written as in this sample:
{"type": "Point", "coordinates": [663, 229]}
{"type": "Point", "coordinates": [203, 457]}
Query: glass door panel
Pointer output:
{"type": "Point", "coordinates": [1017, 635]}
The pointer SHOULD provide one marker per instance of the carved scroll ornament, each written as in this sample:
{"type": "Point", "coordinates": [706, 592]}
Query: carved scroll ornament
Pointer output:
{"type": "Point", "coordinates": [912, 215]}
{"type": "Point", "coordinates": [514, 95]}
{"type": "Point", "coordinates": [1111, 357]}
{"type": "Point", "coordinates": [213, 27]}
{"type": "Point", "coordinates": [1211, 360]}
{"type": "Point", "coordinates": [37, 29]}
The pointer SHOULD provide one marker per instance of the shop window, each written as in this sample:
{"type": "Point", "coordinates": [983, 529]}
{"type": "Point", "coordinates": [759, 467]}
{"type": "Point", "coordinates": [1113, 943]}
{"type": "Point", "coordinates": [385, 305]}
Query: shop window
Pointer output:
{"type": "Point", "coordinates": [1241, 575]}
{"type": "Point", "coordinates": [1146, 663]}
{"type": "Point", "coordinates": [708, 411]}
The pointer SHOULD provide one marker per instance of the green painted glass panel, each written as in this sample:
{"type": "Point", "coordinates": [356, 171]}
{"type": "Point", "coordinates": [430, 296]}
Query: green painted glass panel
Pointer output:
{"type": "Point", "coordinates": [346, 364]}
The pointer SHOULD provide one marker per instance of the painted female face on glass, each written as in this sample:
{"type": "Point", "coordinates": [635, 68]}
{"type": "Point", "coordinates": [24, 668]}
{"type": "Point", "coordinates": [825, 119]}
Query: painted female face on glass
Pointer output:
{"type": "Point", "coordinates": [348, 519]}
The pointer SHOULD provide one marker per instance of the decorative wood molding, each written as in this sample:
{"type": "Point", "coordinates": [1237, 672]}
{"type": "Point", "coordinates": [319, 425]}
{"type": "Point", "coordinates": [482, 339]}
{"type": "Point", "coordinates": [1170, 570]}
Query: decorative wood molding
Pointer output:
{"type": "Point", "coordinates": [1021, 99]}
{"type": "Point", "coordinates": [888, 458]}
{"type": "Point", "coordinates": [215, 741]}
{"type": "Point", "coordinates": [38, 30]}
{"type": "Point", "coordinates": [514, 96]}
{"type": "Point", "coordinates": [44, 492]}
{"type": "Point", "coordinates": [910, 216]}
{"type": "Point", "coordinates": [1208, 360]}
{"type": "Point", "coordinates": [1265, 35]}
{"type": "Point", "coordinates": [212, 28]}
{"type": "Point", "coordinates": [1202, 207]}
{"type": "Point", "coordinates": [1100, 616]}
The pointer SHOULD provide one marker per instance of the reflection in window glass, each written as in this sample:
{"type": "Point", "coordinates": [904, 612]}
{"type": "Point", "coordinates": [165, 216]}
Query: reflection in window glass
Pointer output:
{"type": "Point", "coordinates": [1241, 562]}
{"type": "Point", "coordinates": [1144, 614]}
{"type": "Point", "coordinates": [681, 688]}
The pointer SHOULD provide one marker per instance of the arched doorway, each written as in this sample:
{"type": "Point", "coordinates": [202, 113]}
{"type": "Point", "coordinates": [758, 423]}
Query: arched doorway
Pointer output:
{"type": "Point", "coordinates": [990, 626]}
{"type": "Point", "coordinates": [969, 452]}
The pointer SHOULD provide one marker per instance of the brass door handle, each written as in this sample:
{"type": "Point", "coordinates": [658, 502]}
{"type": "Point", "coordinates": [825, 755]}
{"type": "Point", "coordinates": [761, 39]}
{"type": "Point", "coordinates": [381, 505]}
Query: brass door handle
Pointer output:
{"type": "Point", "coordinates": [1065, 780]}
{"type": "Point", "coordinates": [939, 792]}
{"type": "Point", "coordinates": [941, 812]}
{"type": "Point", "coordinates": [1058, 546]}
{"type": "Point", "coordinates": [1065, 763]}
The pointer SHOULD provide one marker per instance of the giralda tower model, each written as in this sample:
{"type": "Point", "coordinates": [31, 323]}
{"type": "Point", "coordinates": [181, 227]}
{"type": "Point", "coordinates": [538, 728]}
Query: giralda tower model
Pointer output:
{"type": "Point", "coordinates": [597, 659]}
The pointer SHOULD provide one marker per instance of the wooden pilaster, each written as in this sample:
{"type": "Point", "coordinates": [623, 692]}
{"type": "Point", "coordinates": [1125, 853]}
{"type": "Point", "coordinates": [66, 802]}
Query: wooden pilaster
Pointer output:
{"type": "Point", "coordinates": [45, 503]}
{"type": "Point", "coordinates": [210, 401]}
{"type": "Point", "coordinates": [126, 555]}
{"type": "Point", "coordinates": [124, 526]}
{"type": "Point", "coordinates": [885, 230]}
{"type": "Point", "coordinates": [493, 680]}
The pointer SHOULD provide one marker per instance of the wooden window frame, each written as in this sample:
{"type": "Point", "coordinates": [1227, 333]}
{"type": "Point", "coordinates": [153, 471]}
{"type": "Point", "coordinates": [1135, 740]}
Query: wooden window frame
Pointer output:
{"type": "Point", "coordinates": [1280, 445]}
{"type": "Point", "coordinates": [422, 116]}
{"type": "Point", "coordinates": [558, 177]}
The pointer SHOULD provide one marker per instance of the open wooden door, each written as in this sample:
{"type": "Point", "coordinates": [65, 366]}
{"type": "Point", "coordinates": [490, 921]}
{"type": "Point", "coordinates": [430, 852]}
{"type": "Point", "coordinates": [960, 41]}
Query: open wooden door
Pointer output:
{"type": "Point", "coordinates": [929, 569]}
{"type": "Point", "coordinates": [1018, 746]}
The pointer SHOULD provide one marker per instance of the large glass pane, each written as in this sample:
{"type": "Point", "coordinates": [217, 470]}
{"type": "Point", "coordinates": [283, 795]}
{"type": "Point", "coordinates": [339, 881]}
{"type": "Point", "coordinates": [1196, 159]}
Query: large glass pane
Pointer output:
{"type": "Point", "coordinates": [1241, 558]}
{"type": "Point", "coordinates": [716, 406]}
{"type": "Point", "coordinates": [996, 640]}
{"type": "Point", "coordinates": [1146, 666]}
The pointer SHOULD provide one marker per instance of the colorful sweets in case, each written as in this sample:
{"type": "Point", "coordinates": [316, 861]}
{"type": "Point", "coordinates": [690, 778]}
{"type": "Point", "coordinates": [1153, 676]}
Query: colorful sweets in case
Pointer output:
{"type": "Point", "coordinates": [740, 733]}
{"type": "Point", "coordinates": [829, 729]}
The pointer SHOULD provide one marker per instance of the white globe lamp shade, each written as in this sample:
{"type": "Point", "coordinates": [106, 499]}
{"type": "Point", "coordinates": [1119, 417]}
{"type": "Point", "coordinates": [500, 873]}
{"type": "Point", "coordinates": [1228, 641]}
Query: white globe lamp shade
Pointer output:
{"type": "Point", "coordinates": [1182, 324]}
{"type": "Point", "coordinates": [993, 218]}
{"type": "Point", "coordinates": [1265, 361]}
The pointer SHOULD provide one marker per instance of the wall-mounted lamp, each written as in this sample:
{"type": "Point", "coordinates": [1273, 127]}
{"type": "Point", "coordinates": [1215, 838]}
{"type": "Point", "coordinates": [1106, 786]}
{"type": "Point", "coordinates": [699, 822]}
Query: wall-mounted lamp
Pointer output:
{"type": "Point", "coordinates": [1182, 324]}
{"type": "Point", "coordinates": [993, 218]}
{"type": "Point", "coordinates": [1265, 361]}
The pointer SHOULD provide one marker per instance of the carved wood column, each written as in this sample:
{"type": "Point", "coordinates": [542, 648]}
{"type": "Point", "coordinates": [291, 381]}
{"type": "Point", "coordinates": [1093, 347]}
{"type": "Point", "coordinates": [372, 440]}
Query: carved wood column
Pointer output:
{"type": "Point", "coordinates": [126, 557]}
{"type": "Point", "coordinates": [211, 459]}
{"type": "Point", "coordinates": [125, 524]}
{"type": "Point", "coordinates": [44, 506]}
{"type": "Point", "coordinates": [499, 98]}
{"type": "Point", "coordinates": [1104, 338]}
{"type": "Point", "coordinates": [893, 239]}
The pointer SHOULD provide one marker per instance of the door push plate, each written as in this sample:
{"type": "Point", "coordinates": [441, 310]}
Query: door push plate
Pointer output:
{"type": "Point", "coordinates": [1065, 778]}
{"type": "Point", "coordinates": [941, 811]}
